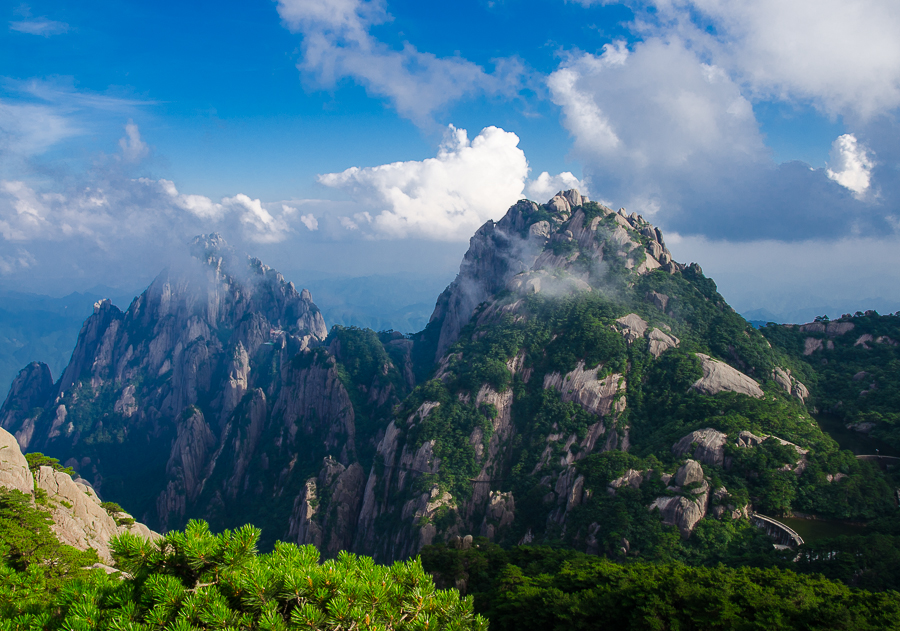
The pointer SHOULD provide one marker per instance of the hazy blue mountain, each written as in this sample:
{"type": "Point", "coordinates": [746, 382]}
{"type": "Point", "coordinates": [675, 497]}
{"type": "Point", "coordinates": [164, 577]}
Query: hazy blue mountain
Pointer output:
{"type": "Point", "coordinates": [799, 313]}
{"type": "Point", "coordinates": [35, 327]}
{"type": "Point", "coordinates": [402, 302]}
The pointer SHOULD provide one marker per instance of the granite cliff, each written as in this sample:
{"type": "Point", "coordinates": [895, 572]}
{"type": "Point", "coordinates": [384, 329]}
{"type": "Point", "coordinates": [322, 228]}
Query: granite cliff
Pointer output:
{"type": "Point", "coordinates": [164, 405]}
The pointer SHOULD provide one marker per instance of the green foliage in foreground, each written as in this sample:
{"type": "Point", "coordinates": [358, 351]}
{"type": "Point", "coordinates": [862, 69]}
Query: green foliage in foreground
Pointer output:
{"type": "Point", "coordinates": [545, 589]}
{"type": "Point", "coordinates": [197, 580]}
{"type": "Point", "coordinates": [33, 563]}
{"type": "Point", "coordinates": [26, 541]}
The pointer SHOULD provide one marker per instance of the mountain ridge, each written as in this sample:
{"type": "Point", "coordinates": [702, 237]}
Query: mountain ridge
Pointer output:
{"type": "Point", "coordinates": [557, 377]}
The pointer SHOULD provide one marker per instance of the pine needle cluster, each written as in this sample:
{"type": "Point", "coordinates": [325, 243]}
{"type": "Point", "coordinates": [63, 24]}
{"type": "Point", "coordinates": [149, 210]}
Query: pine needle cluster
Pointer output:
{"type": "Point", "coordinates": [194, 579]}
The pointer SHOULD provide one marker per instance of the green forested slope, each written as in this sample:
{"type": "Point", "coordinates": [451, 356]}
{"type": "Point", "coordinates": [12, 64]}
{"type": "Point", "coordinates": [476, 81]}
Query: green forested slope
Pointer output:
{"type": "Point", "coordinates": [853, 368]}
{"type": "Point", "coordinates": [542, 588]}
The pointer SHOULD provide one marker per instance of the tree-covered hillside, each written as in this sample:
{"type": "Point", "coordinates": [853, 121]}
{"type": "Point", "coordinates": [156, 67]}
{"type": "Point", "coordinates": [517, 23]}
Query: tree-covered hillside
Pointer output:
{"type": "Point", "coordinates": [853, 368]}
{"type": "Point", "coordinates": [546, 588]}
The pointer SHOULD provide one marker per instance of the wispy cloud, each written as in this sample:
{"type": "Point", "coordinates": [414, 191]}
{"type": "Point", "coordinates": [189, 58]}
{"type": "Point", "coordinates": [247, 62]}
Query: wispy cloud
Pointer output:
{"type": "Point", "coordinates": [38, 114]}
{"type": "Point", "coordinates": [337, 43]}
{"type": "Point", "coordinates": [39, 26]}
{"type": "Point", "coordinates": [133, 148]}
{"type": "Point", "coordinates": [28, 129]}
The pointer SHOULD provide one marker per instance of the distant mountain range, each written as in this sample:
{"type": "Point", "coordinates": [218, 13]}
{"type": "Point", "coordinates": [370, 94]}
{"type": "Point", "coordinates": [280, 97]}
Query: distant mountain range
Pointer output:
{"type": "Point", "coordinates": [34, 327]}
{"type": "Point", "coordinates": [833, 310]}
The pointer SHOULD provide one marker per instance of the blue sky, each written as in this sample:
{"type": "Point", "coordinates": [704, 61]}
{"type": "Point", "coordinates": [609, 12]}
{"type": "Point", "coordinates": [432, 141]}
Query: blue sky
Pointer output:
{"type": "Point", "coordinates": [359, 137]}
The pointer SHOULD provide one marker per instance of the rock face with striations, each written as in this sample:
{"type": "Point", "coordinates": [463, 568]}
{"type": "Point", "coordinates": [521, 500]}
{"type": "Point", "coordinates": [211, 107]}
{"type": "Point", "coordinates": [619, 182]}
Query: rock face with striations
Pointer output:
{"type": "Point", "coordinates": [30, 390]}
{"type": "Point", "coordinates": [78, 518]}
{"type": "Point", "coordinates": [205, 395]}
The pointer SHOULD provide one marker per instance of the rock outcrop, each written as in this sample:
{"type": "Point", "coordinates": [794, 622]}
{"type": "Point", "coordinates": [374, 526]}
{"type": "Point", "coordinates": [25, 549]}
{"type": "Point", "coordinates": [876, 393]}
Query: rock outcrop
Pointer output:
{"type": "Point", "coordinates": [14, 471]}
{"type": "Point", "coordinates": [831, 329]}
{"type": "Point", "coordinates": [719, 376]}
{"type": "Point", "coordinates": [685, 510]}
{"type": "Point", "coordinates": [597, 396]}
{"type": "Point", "coordinates": [706, 445]}
{"type": "Point", "coordinates": [78, 518]}
{"type": "Point", "coordinates": [497, 252]}
{"type": "Point", "coordinates": [30, 390]}
{"type": "Point", "coordinates": [791, 385]}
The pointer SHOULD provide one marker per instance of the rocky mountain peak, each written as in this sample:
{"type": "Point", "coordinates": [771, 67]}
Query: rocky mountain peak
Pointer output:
{"type": "Point", "coordinates": [567, 245]}
{"type": "Point", "coordinates": [210, 247]}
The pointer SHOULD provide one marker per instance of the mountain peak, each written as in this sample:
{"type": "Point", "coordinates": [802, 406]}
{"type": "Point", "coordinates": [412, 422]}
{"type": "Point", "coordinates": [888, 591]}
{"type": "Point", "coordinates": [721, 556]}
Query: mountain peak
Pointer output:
{"type": "Point", "coordinates": [567, 245]}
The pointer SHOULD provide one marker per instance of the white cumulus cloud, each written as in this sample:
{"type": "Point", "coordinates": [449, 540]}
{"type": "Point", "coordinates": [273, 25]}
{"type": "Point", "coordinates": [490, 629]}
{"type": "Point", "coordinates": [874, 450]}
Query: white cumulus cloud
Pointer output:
{"type": "Point", "coordinates": [843, 56]}
{"type": "Point", "coordinates": [647, 121]}
{"type": "Point", "coordinates": [546, 186]}
{"type": "Point", "coordinates": [446, 197]}
{"type": "Point", "coordinates": [309, 220]}
{"type": "Point", "coordinates": [262, 226]}
{"type": "Point", "coordinates": [850, 165]}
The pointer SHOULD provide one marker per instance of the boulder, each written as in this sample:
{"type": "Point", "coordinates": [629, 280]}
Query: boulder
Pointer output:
{"type": "Point", "coordinates": [633, 327]}
{"type": "Point", "coordinates": [682, 512]}
{"type": "Point", "coordinates": [560, 204]}
{"type": "Point", "coordinates": [811, 345]}
{"type": "Point", "coordinates": [574, 198]}
{"type": "Point", "coordinates": [749, 439]}
{"type": "Point", "coordinates": [660, 301]}
{"type": "Point", "coordinates": [710, 446]}
{"type": "Point", "coordinates": [689, 473]}
{"type": "Point", "coordinates": [661, 342]}
{"type": "Point", "coordinates": [540, 229]}
{"type": "Point", "coordinates": [719, 376]}
{"type": "Point", "coordinates": [631, 478]}
{"type": "Point", "coordinates": [786, 380]}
